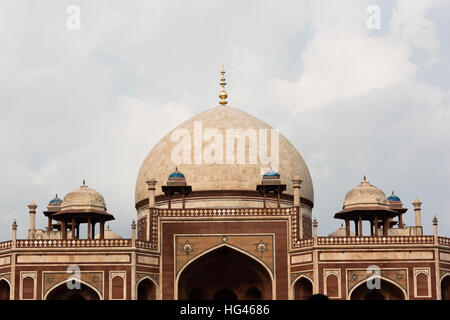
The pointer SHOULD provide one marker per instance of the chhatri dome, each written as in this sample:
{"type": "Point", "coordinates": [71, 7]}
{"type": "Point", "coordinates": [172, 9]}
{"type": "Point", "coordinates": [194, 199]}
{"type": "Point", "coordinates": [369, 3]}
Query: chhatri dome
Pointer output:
{"type": "Point", "coordinates": [204, 176]}
{"type": "Point", "coordinates": [83, 198]}
{"type": "Point", "coordinates": [365, 195]}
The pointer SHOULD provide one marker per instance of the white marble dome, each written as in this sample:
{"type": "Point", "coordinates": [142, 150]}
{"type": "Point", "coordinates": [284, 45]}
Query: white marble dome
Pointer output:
{"type": "Point", "coordinates": [215, 176]}
{"type": "Point", "coordinates": [83, 198]}
{"type": "Point", "coordinates": [365, 195]}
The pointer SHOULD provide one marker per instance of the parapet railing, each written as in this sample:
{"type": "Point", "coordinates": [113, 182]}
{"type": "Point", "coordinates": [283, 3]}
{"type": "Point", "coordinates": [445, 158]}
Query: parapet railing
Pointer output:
{"type": "Point", "coordinates": [5, 245]}
{"type": "Point", "coordinates": [73, 243]}
{"type": "Point", "coordinates": [444, 241]}
{"type": "Point", "coordinates": [375, 240]}
{"type": "Point", "coordinates": [144, 244]}
{"type": "Point", "coordinates": [201, 212]}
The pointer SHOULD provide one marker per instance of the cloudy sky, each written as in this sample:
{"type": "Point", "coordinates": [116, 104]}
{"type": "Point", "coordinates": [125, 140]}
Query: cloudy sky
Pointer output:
{"type": "Point", "coordinates": [90, 103]}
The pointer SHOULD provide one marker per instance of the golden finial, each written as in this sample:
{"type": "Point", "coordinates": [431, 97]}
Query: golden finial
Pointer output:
{"type": "Point", "coordinates": [223, 94]}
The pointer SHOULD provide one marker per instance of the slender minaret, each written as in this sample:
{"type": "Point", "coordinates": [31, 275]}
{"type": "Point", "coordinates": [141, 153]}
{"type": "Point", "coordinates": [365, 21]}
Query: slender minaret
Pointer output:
{"type": "Point", "coordinates": [151, 182]}
{"type": "Point", "coordinates": [417, 210]}
{"type": "Point", "coordinates": [32, 210]}
{"type": "Point", "coordinates": [296, 184]}
{"type": "Point", "coordinates": [223, 94]}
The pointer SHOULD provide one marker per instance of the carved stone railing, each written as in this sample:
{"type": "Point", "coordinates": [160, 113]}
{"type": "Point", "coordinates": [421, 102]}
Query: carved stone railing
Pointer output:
{"type": "Point", "coordinates": [144, 244]}
{"type": "Point", "coordinates": [375, 240]}
{"type": "Point", "coordinates": [304, 243]}
{"type": "Point", "coordinates": [444, 241]}
{"type": "Point", "coordinates": [5, 245]}
{"type": "Point", "coordinates": [223, 212]}
{"type": "Point", "coordinates": [76, 243]}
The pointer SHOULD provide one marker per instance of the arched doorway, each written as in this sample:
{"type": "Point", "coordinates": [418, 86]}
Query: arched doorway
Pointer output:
{"type": "Point", "coordinates": [146, 290]}
{"type": "Point", "coordinates": [4, 290]}
{"type": "Point", "coordinates": [225, 274]}
{"type": "Point", "coordinates": [445, 288]}
{"type": "Point", "coordinates": [302, 289]}
{"type": "Point", "coordinates": [62, 292]}
{"type": "Point", "coordinates": [387, 291]}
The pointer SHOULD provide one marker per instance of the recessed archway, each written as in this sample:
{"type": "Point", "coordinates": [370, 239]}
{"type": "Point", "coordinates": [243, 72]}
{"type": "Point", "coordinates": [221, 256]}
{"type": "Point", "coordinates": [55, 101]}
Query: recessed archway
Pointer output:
{"type": "Point", "coordinates": [445, 287]}
{"type": "Point", "coordinates": [386, 291]}
{"type": "Point", "coordinates": [62, 292]}
{"type": "Point", "coordinates": [225, 274]}
{"type": "Point", "coordinates": [5, 290]}
{"type": "Point", "coordinates": [146, 290]}
{"type": "Point", "coordinates": [302, 289]}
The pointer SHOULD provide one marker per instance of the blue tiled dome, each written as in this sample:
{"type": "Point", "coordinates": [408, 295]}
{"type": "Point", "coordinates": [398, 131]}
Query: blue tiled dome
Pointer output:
{"type": "Point", "coordinates": [271, 173]}
{"type": "Point", "coordinates": [393, 197]}
{"type": "Point", "coordinates": [55, 201]}
{"type": "Point", "coordinates": [176, 174]}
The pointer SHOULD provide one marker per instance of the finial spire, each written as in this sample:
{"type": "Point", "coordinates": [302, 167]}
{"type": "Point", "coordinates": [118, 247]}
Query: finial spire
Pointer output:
{"type": "Point", "coordinates": [223, 94]}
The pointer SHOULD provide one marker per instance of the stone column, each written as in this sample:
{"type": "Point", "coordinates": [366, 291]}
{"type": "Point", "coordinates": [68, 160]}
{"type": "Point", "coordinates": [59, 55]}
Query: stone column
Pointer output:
{"type": "Point", "coordinates": [375, 226]}
{"type": "Point", "coordinates": [72, 227]}
{"type": "Point", "coordinates": [32, 210]}
{"type": "Point", "coordinates": [93, 230]}
{"type": "Point", "coordinates": [133, 233]}
{"type": "Point", "coordinates": [360, 226]}
{"type": "Point", "coordinates": [315, 260]}
{"type": "Point", "coordinates": [151, 192]}
{"type": "Point", "coordinates": [385, 226]}
{"type": "Point", "coordinates": [49, 224]}
{"type": "Point", "coordinates": [296, 184]}
{"type": "Point", "coordinates": [436, 259]}
{"type": "Point", "coordinates": [13, 261]}
{"type": "Point", "coordinates": [347, 227]}
{"type": "Point", "coordinates": [400, 220]}
{"type": "Point", "coordinates": [63, 229]}
{"type": "Point", "coordinates": [315, 231]}
{"type": "Point", "coordinates": [14, 234]}
{"type": "Point", "coordinates": [151, 182]}
{"type": "Point", "coordinates": [417, 204]}
{"type": "Point", "coordinates": [89, 227]}
{"type": "Point", "coordinates": [133, 260]}
{"type": "Point", "coordinates": [102, 230]}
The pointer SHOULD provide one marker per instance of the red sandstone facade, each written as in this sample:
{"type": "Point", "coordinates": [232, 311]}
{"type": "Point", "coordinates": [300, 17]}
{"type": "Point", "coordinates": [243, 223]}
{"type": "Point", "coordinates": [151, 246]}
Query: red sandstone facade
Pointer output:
{"type": "Point", "coordinates": [266, 260]}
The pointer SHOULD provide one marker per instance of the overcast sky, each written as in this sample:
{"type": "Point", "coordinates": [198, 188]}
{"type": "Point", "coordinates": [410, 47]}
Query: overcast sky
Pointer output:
{"type": "Point", "coordinates": [90, 103]}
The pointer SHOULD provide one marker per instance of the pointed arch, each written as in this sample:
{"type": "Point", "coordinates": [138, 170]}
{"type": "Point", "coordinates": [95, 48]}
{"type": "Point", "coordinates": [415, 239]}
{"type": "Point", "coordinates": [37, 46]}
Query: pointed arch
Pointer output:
{"type": "Point", "coordinates": [445, 286]}
{"type": "Point", "coordinates": [258, 274]}
{"type": "Point", "coordinates": [64, 282]}
{"type": "Point", "coordinates": [145, 293]}
{"type": "Point", "coordinates": [302, 288]}
{"type": "Point", "coordinates": [5, 289]}
{"type": "Point", "coordinates": [404, 294]}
